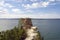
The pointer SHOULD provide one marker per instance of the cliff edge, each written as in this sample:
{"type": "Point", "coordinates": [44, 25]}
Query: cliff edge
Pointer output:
{"type": "Point", "coordinates": [30, 30]}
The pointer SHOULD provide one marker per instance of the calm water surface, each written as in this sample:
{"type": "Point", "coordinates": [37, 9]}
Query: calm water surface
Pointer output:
{"type": "Point", "coordinates": [50, 29]}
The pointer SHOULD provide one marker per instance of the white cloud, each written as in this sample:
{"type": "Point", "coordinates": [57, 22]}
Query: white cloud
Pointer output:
{"type": "Point", "coordinates": [14, 16]}
{"type": "Point", "coordinates": [1, 3]}
{"type": "Point", "coordinates": [30, 16]}
{"type": "Point", "coordinates": [36, 5]}
{"type": "Point", "coordinates": [26, 6]}
{"type": "Point", "coordinates": [39, 4]}
{"type": "Point", "coordinates": [15, 10]}
{"type": "Point", "coordinates": [4, 11]}
{"type": "Point", "coordinates": [52, 0]}
{"type": "Point", "coordinates": [33, 0]}
{"type": "Point", "coordinates": [8, 5]}
{"type": "Point", "coordinates": [45, 4]}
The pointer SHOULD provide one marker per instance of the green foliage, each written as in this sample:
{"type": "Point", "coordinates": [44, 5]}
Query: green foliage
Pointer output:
{"type": "Point", "coordinates": [39, 36]}
{"type": "Point", "coordinates": [13, 34]}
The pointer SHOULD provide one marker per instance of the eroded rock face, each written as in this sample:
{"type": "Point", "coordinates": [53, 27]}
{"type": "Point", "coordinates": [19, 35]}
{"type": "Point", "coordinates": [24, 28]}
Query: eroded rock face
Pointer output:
{"type": "Point", "coordinates": [26, 23]}
{"type": "Point", "coordinates": [30, 30]}
{"type": "Point", "coordinates": [31, 33]}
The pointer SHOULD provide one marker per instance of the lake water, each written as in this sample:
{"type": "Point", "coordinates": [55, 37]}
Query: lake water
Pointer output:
{"type": "Point", "coordinates": [49, 29]}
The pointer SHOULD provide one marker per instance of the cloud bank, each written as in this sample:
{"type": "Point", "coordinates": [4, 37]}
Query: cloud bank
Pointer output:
{"type": "Point", "coordinates": [8, 10]}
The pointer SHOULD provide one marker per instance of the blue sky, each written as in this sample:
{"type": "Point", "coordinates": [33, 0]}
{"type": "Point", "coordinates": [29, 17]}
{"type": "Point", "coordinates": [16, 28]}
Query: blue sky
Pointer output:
{"type": "Point", "coordinates": [30, 8]}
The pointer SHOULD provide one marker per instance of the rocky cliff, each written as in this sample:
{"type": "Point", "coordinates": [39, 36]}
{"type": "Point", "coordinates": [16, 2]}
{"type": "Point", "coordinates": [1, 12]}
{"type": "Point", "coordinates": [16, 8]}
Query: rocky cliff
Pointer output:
{"type": "Point", "coordinates": [30, 30]}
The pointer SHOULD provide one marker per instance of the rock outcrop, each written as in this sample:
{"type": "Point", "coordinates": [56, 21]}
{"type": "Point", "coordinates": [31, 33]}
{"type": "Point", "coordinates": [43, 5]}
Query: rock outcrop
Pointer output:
{"type": "Point", "coordinates": [30, 30]}
{"type": "Point", "coordinates": [26, 23]}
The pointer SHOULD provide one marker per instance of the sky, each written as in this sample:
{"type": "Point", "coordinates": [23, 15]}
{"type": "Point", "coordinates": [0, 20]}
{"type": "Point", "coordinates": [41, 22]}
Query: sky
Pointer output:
{"type": "Point", "coordinates": [30, 8]}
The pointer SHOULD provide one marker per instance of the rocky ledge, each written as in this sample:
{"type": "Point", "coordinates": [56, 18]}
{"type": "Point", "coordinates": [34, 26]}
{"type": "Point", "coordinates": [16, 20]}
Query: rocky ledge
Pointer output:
{"type": "Point", "coordinates": [30, 30]}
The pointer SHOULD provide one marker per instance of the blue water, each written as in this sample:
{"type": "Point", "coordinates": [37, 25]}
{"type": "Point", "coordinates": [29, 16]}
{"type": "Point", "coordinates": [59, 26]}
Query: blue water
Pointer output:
{"type": "Point", "coordinates": [49, 29]}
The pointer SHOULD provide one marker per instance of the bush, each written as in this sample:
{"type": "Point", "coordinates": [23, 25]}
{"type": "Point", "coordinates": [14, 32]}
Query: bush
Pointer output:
{"type": "Point", "coordinates": [14, 34]}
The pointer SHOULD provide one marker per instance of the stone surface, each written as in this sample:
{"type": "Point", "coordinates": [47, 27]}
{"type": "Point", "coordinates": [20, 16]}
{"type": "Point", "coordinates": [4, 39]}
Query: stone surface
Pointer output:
{"type": "Point", "coordinates": [26, 23]}
{"type": "Point", "coordinates": [30, 30]}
